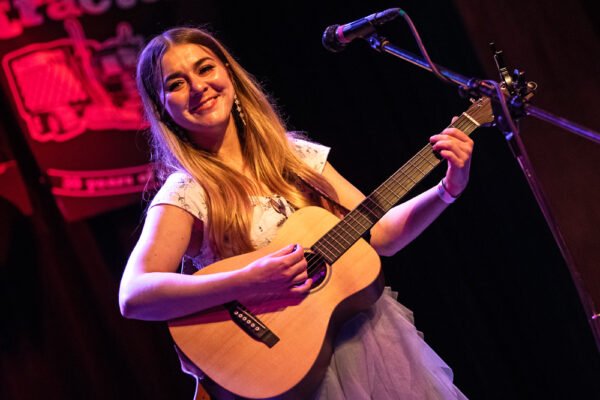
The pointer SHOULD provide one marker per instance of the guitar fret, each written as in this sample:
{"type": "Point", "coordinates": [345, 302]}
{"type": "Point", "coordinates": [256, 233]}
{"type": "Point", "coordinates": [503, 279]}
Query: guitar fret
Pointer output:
{"type": "Point", "coordinates": [341, 236]}
{"type": "Point", "coordinates": [423, 157]}
{"type": "Point", "coordinates": [323, 250]}
{"type": "Point", "coordinates": [391, 195]}
{"type": "Point", "coordinates": [334, 251]}
{"type": "Point", "coordinates": [398, 184]}
{"type": "Point", "coordinates": [340, 231]}
{"type": "Point", "coordinates": [350, 217]}
{"type": "Point", "coordinates": [332, 239]}
{"type": "Point", "coordinates": [415, 166]}
{"type": "Point", "coordinates": [375, 202]}
{"type": "Point", "coordinates": [357, 216]}
{"type": "Point", "coordinates": [412, 180]}
{"type": "Point", "coordinates": [395, 180]}
{"type": "Point", "coordinates": [371, 211]}
{"type": "Point", "coordinates": [334, 236]}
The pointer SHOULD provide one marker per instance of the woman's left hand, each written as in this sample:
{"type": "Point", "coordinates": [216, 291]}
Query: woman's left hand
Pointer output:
{"type": "Point", "coordinates": [456, 147]}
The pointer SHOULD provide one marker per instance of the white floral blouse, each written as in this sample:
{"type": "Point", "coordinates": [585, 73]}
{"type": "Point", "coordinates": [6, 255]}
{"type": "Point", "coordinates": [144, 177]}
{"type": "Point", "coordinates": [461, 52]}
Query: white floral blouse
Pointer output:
{"type": "Point", "coordinates": [270, 212]}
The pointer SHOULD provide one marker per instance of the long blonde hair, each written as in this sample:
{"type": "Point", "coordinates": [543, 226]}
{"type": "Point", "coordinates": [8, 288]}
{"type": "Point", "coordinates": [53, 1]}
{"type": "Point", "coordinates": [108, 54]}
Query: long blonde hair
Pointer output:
{"type": "Point", "coordinates": [265, 148]}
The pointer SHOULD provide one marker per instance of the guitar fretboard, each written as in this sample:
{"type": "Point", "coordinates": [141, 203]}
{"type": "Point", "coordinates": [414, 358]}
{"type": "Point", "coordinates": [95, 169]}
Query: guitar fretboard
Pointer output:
{"type": "Point", "coordinates": [357, 222]}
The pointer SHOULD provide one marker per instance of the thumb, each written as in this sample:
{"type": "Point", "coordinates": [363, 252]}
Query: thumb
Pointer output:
{"type": "Point", "coordinates": [285, 250]}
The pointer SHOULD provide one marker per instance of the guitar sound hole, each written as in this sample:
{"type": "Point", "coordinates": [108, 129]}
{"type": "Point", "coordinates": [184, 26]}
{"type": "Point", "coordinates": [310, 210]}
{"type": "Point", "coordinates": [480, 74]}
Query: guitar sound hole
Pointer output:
{"type": "Point", "coordinates": [317, 268]}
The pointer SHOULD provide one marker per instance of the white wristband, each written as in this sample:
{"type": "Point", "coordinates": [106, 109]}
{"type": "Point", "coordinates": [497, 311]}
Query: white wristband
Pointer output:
{"type": "Point", "coordinates": [443, 193]}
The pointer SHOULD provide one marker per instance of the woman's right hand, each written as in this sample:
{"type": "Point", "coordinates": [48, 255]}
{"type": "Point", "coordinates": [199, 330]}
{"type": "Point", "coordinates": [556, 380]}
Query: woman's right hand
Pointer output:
{"type": "Point", "coordinates": [282, 273]}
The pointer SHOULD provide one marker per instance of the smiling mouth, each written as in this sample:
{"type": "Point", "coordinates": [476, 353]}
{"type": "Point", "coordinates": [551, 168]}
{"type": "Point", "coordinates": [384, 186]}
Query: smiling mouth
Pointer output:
{"type": "Point", "coordinates": [204, 105]}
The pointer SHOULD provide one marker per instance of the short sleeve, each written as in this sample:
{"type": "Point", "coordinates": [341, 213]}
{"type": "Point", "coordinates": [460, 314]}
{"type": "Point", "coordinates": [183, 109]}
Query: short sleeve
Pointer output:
{"type": "Point", "coordinates": [182, 191]}
{"type": "Point", "coordinates": [313, 154]}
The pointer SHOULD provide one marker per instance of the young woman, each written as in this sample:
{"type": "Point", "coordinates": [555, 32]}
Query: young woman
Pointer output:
{"type": "Point", "coordinates": [231, 176]}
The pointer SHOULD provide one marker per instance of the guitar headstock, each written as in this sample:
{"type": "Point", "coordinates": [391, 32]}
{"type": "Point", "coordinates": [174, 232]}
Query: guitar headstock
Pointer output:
{"type": "Point", "coordinates": [481, 111]}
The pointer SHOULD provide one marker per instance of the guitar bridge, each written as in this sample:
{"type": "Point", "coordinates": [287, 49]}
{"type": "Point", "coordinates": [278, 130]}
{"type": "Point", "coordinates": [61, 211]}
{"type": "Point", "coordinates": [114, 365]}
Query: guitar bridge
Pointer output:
{"type": "Point", "coordinates": [250, 323]}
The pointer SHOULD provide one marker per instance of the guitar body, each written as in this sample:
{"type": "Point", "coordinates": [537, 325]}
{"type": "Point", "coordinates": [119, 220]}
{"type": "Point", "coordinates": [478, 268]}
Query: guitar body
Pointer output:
{"type": "Point", "coordinates": [294, 366]}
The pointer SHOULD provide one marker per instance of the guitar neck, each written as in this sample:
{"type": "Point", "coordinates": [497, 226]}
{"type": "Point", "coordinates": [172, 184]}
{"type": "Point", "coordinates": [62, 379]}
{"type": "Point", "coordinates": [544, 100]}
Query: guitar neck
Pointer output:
{"type": "Point", "coordinates": [357, 222]}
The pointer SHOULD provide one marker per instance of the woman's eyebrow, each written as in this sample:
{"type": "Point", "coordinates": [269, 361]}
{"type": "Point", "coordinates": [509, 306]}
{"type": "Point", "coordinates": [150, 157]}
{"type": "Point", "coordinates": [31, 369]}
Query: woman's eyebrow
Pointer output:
{"type": "Point", "coordinates": [179, 73]}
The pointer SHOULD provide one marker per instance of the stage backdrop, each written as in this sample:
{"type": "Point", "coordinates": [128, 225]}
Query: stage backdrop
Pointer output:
{"type": "Point", "coordinates": [68, 72]}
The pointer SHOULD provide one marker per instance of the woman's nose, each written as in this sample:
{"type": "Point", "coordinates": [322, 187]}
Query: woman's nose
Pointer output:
{"type": "Point", "coordinates": [198, 85]}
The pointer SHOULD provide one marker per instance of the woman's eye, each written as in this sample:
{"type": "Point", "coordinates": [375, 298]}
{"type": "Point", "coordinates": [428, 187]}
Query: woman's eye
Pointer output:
{"type": "Point", "coordinates": [174, 85]}
{"type": "Point", "coordinates": [205, 69]}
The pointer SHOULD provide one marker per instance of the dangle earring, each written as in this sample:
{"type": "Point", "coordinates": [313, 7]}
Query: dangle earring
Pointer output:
{"type": "Point", "coordinates": [238, 108]}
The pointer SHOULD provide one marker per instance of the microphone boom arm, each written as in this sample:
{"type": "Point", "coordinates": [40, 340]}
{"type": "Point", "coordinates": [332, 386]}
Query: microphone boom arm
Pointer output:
{"type": "Point", "coordinates": [476, 88]}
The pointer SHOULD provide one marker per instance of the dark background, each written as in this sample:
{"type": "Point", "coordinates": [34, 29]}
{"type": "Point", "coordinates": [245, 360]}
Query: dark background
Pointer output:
{"type": "Point", "coordinates": [487, 282]}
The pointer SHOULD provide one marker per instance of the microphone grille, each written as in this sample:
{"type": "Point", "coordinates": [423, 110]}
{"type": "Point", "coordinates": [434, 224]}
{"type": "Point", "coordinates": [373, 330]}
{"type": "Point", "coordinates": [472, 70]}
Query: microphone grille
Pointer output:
{"type": "Point", "coordinates": [330, 40]}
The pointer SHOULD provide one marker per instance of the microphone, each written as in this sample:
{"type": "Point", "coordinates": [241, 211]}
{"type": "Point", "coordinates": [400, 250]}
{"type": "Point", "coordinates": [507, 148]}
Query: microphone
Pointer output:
{"type": "Point", "coordinates": [336, 37]}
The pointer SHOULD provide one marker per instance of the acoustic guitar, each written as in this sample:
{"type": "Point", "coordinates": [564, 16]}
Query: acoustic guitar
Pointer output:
{"type": "Point", "coordinates": [281, 348]}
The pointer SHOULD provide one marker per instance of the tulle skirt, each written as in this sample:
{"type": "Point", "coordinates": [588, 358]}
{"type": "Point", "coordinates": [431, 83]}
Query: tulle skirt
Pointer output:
{"type": "Point", "coordinates": [380, 355]}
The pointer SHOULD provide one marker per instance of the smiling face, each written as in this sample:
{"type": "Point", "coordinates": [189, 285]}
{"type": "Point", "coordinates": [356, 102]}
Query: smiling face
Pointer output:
{"type": "Point", "coordinates": [197, 92]}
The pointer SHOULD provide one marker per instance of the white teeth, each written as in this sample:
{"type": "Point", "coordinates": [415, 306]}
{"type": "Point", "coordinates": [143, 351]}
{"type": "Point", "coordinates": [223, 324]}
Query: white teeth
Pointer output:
{"type": "Point", "coordinates": [199, 106]}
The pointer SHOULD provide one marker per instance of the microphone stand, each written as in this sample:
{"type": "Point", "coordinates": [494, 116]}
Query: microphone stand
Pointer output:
{"type": "Point", "coordinates": [505, 111]}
